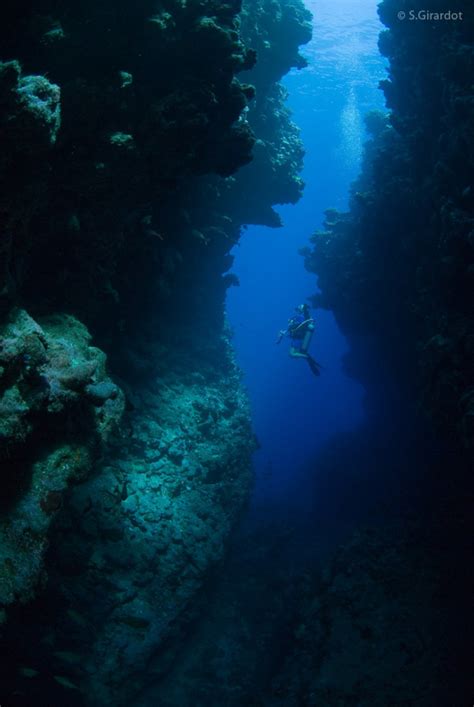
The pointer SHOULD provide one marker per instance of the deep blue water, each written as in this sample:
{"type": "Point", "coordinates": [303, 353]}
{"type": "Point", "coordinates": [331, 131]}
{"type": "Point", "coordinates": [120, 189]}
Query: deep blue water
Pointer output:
{"type": "Point", "coordinates": [295, 413]}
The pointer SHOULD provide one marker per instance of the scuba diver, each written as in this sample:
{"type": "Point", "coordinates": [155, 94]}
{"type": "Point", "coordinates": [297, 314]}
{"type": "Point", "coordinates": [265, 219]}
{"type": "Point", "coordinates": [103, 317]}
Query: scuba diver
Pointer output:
{"type": "Point", "coordinates": [300, 330]}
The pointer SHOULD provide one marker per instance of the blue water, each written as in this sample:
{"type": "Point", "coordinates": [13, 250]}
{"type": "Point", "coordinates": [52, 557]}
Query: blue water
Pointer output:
{"type": "Point", "coordinates": [295, 413]}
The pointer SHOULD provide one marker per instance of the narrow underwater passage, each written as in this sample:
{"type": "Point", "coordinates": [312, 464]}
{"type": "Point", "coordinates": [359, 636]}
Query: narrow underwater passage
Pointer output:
{"type": "Point", "coordinates": [275, 630]}
{"type": "Point", "coordinates": [295, 414]}
{"type": "Point", "coordinates": [236, 647]}
{"type": "Point", "coordinates": [139, 563]}
{"type": "Point", "coordinates": [316, 440]}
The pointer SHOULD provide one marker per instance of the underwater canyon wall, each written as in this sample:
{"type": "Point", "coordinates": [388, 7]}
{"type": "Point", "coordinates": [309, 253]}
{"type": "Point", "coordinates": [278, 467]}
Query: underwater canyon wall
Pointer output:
{"type": "Point", "coordinates": [125, 437]}
{"type": "Point", "coordinates": [389, 619]}
{"type": "Point", "coordinates": [399, 265]}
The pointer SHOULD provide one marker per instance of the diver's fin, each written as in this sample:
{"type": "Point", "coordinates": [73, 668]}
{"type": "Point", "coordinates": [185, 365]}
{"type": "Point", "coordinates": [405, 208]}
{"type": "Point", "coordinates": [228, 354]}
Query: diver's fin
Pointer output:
{"type": "Point", "coordinates": [314, 365]}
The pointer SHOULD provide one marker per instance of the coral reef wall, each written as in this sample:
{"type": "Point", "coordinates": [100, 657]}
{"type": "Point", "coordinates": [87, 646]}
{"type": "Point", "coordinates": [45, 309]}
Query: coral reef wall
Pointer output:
{"type": "Point", "coordinates": [125, 436]}
{"type": "Point", "coordinates": [399, 265]}
{"type": "Point", "coordinates": [388, 620]}
{"type": "Point", "coordinates": [372, 629]}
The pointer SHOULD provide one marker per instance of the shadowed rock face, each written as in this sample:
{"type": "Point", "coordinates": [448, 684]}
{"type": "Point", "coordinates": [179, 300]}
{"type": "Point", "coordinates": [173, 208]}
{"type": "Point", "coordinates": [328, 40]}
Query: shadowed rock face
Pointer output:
{"type": "Point", "coordinates": [373, 629]}
{"type": "Point", "coordinates": [146, 100]}
{"type": "Point", "coordinates": [400, 264]}
{"type": "Point", "coordinates": [53, 424]}
{"type": "Point", "coordinates": [388, 620]}
{"type": "Point", "coordinates": [122, 130]}
{"type": "Point", "coordinates": [151, 524]}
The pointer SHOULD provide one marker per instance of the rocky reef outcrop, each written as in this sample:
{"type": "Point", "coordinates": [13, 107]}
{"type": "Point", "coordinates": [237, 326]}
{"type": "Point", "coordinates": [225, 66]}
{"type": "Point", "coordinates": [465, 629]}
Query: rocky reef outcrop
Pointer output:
{"type": "Point", "coordinates": [399, 264]}
{"type": "Point", "coordinates": [138, 538]}
{"type": "Point", "coordinates": [374, 629]}
{"type": "Point", "coordinates": [125, 436]}
{"type": "Point", "coordinates": [387, 622]}
{"type": "Point", "coordinates": [278, 151]}
{"type": "Point", "coordinates": [57, 409]}
{"type": "Point", "coordinates": [145, 99]}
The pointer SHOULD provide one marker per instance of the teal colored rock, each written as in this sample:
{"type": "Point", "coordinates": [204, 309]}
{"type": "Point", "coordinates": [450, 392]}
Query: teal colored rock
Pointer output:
{"type": "Point", "coordinates": [40, 99]}
{"type": "Point", "coordinates": [31, 113]}
{"type": "Point", "coordinates": [50, 433]}
{"type": "Point", "coordinates": [146, 532]}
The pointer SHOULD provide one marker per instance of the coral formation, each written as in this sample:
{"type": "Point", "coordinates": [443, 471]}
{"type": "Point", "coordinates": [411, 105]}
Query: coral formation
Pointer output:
{"type": "Point", "coordinates": [31, 115]}
{"type": "Point", "coordinates": [51, 431]}
{"type": "Point", "coordinates": [275, 30]}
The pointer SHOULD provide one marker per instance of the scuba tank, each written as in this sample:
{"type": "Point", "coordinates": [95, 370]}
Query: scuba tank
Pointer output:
{"type": "Point", "coordinates": [308, 333]}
